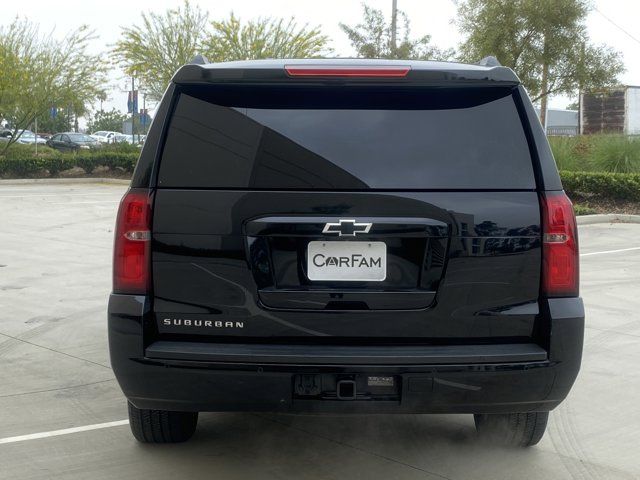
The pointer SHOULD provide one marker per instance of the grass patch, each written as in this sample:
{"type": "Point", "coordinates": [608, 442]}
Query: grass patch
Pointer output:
{"type": "Point", "coordinates": [581, 209]}
{"type": "Point", "coordinates": [617, 154]}
{"type": "Point", "coordinates": [597, 153]}
{"type": "Point", "coordinates": [572, 153]}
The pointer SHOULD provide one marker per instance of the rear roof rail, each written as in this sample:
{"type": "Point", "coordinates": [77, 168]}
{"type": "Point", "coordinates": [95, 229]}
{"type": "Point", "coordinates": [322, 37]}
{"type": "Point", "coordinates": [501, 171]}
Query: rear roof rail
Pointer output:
{"type": "Point", "coordinates": [198, 60]}
{"type": "Point", "coordinates": [489, 61]}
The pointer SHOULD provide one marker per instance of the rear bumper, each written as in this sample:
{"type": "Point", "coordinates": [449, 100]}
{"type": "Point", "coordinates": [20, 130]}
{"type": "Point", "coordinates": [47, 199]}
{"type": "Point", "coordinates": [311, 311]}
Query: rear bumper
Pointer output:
{"type": "Point", "coordinates": [469, 379]}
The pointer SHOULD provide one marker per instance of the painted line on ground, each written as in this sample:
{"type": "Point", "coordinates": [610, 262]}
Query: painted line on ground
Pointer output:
{"type": "Point", "coordinates": [66, 431]}
{"type": "Point", "coordinates": [609, 251]}
{"type": "Point", "coordinates": [61, 194]}
{"type": "Point", "coordinates": [83, 203]}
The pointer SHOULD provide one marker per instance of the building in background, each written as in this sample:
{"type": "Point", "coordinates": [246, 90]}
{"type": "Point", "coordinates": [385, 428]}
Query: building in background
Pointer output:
{"type": "Point", "coordinates": [616, 110]}
{"type": "Point", "coordinates": [561, 122]}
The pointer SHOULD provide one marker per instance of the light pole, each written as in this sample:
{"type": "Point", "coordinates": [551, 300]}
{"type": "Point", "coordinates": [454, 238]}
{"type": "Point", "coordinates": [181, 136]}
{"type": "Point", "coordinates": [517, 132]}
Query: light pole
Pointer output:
{"type": "Point", "coordinates": [394, 24]}
{"type": "Point", "coordinates": [133, 108]}
{"type": "Point", "coordinates": [144, 113]}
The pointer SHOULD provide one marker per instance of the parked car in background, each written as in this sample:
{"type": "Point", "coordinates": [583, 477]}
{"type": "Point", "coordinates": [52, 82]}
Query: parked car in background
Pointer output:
{"type": "Point", "coordinates": [123, 138]}
{"type": "Point", "coordinates": [130, 139]}
{"type": "Point", "coordinates": [27, 137]}
{"type": "Point", "coordinates": [104, 136]}
{"type": "Point", "coordinates": [72, 142]}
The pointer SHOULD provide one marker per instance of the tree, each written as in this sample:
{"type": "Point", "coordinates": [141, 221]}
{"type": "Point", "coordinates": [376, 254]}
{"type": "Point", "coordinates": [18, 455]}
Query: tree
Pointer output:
{"type": "Point", "coordinates": [154, 50]}
{"type": "Point", "coordinates": [60, 123]}
{"type": "Point", "coordinates": [263, 38]}
{"type": "Point", "coordinates": [375, 38]}
{"type": "Point", "coordinates": [37, 72]}
{"type": "Point", "coordinates": [111, 121]}
{"type": "Point", "coordinates": [544, 41]}
{"type": "Point", "coordinates": [13, 75]}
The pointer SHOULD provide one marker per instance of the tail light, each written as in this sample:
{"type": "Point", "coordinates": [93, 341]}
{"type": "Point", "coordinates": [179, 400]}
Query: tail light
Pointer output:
{"type": "Point", "coordinates": [347, 71]}
{"type": "Point", "coordinates": [131, 255]}
{"type": "Point", "coordinates": [560, 259]}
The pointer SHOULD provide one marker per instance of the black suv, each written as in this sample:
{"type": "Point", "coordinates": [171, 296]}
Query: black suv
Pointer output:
{"type": "Point", "coordinates": [345, 236]}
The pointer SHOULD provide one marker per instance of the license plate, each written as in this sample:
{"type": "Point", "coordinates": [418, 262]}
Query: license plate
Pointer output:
{"type": "Point", "coordinates": [347, 261]}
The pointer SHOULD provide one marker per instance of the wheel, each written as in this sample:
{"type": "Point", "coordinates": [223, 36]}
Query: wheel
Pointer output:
{"type": "Point", "coordinates": [512, 429]}
{"type": "Point", "coordinates": [161, 426]}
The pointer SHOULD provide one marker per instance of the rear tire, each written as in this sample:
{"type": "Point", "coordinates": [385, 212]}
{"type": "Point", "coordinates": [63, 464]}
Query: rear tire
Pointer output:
{"type": "Point", "coordinates": [512, 429]}
{"type": "Point", "coordinates": [161, 426]}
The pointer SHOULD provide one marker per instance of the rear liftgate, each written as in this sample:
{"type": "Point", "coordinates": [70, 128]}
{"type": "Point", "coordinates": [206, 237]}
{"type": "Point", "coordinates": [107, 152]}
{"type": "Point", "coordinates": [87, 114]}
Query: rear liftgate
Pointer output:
{"type": "Point", "coordinates": [341, 264]}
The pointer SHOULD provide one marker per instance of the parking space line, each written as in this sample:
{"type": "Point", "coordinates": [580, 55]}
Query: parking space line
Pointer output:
{"type": "Point", "coordinates": [610, 251]}
{"type": "Point", "coordinates": [61, 194]}
{"type": "Point", "coordinates": [66, 431]}
{"type": "Point", "coordinates": [83, 203]}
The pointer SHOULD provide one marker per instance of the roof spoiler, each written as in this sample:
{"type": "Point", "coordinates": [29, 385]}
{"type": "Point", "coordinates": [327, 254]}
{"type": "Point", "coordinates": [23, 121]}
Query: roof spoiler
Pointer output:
{"type": "Point", "coordinates": [199, 71]}
{"type": "Point", "coordinates": [489, 61]}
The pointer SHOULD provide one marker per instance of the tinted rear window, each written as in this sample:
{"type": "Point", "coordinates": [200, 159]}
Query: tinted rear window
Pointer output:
{"type": "Point", "coordinates": [346, 138]}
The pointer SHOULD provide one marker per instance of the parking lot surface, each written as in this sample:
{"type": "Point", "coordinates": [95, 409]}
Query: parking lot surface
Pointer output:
{"type": "Point", "coordinates": [55, 254]}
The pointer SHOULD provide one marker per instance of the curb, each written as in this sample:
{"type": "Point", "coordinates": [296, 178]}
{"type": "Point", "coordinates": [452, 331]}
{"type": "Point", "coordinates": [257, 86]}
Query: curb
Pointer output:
{"type": "Point", "coordinates": [581, 219]}
{"type": "Point", "coordinates": [31, 181]}
{"type": "Point", "coordinates": [607, 218]}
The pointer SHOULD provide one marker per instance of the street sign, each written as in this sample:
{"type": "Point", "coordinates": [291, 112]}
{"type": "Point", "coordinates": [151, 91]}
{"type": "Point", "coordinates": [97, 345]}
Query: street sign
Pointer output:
{"type": "Point", "coordinates": [132, 101]}
{"type": "Point", "coordinates": [145, 119]}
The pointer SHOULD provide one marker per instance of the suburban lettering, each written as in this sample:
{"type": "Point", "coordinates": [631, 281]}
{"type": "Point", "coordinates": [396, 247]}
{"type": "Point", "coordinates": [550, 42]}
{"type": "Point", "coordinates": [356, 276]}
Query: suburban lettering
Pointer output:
{"type": "Point", "coordinates": [186, 322]}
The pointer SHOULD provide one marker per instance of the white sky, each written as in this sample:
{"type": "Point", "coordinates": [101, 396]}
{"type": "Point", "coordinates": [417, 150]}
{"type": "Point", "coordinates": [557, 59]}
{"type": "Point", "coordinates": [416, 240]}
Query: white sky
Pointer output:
{"type": "Point", "coordinates": [433, 17]}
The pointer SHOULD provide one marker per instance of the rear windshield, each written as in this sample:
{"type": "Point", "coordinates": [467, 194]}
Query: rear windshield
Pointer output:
{"type": "Point", "coordinates": [346, 138]}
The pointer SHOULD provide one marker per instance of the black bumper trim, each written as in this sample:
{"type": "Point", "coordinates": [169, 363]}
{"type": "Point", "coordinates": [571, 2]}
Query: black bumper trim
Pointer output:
{"type": "Point", "coordinates": [345, 355]}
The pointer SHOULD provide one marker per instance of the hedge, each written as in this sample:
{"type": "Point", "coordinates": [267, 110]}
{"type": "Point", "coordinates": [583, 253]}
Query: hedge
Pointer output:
{"type": "Point", "coordinates": [618, 186]}
{"type": "Point", "coordinates": [20, 163]}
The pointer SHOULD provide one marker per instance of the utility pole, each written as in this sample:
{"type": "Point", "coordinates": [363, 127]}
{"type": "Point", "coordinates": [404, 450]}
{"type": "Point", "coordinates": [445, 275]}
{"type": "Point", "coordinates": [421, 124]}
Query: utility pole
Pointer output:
{"type": "Point", "coordinates": [394, 25]}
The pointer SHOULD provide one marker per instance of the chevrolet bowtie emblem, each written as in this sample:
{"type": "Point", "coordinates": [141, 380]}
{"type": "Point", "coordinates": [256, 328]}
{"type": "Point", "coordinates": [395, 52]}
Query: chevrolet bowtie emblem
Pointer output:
{"type": "Point", "coordinates": [347, 228]}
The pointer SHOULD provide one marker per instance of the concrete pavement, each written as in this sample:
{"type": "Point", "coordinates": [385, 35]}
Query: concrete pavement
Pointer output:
{"type": "Point", "coordinates": [55, 253]}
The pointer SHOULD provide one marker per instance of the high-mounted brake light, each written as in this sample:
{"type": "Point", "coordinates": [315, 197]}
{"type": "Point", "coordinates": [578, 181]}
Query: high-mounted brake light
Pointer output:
{"type": "Point", "coordinates": [560, 258]}
{"type": "Point", "coordinates": [131, 254]}
{"type": "Point", "coordinates": [347, 71]}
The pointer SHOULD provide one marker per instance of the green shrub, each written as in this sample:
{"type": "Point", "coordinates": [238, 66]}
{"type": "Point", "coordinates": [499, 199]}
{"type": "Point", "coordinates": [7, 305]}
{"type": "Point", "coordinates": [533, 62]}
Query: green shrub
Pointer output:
{"type": "Point", "coordinates": [616, 154]}
{"type": "Point", "coordinates": [21, 162]}
{"type": "Point", "coordinates": [20, 167]}
{"type": "Point", "coordinates": [602, 153]}
{"type": "Point", "coordinates": [57, 163]}
{"type": "Point", "coordinates": [86, 162]}
{"type": "Point", "coordinates": [581, 209]}
{"type": "Point", "coordinates": [619, 186]}
{"type": "Point", "coordinates": [21, 150]}
{"type": "Point", "coordinates": [122, 147]}
{"type": "Point", "coordinates": [571, 153]}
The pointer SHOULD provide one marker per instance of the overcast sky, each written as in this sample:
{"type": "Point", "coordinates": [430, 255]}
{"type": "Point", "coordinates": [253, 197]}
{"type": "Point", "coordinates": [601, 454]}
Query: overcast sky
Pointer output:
{"type": "Point", "coordinates": [433, 17]}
